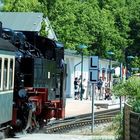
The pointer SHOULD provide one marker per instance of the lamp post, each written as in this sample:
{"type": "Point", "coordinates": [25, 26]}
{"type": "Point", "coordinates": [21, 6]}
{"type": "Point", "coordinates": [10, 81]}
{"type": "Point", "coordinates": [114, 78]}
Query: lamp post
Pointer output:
{"type": "Point", "coordinates": [110, 58]}
{"type": "Point", "coordinates": [81, 47]}
{"type": "Point", "coordinates": [129, 58]}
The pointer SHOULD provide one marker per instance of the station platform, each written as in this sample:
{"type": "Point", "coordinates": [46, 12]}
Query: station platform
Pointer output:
{"type": "Point", "coordinates": [79, 107]}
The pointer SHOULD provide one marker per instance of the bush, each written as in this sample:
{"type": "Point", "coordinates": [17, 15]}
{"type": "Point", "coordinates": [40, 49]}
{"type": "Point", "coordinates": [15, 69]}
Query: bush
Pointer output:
{"type": "Point", "coordinates": [131, 89]}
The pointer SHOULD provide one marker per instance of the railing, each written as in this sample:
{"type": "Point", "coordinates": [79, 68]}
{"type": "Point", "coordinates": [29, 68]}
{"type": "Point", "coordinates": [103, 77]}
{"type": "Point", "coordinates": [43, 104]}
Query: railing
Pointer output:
{"type": "Point", "coordinates": [131, 124]}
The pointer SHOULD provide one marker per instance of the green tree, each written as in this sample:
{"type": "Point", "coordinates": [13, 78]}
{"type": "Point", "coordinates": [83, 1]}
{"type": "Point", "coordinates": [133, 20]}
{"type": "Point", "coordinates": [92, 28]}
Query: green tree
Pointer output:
{"type": "Point", "coordinates": [135, 27]}
{"type": "Point", "coordinates": [69, 19]}
{"type": "Point", "coordinates": [101, 26]}
{"type": "Point", "coordinates": [43, 29]}
{"type": "Point", "coordinates": [22, 6]}
{"type": "Point", "coordinates": [120, 38]}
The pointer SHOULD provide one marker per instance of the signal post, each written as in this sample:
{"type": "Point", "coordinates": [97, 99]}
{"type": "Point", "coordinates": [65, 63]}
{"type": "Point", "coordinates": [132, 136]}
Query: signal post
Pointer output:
{"type": "Point", "coordinates": [93, 77]}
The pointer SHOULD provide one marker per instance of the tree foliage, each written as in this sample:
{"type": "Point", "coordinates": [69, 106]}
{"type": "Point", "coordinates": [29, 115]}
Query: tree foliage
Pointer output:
{"type": "Point", "coordinates": [131, 90]}
{"type": "Point", "coordinates": [22, 5]}
{"type": "Point", "coordinates": [102, 25]}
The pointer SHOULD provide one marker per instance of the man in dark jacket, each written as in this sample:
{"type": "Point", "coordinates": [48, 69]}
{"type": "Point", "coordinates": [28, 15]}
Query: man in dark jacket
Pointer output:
{"type": "Point", "coordinates": [99, 86]}
{"type": "Point", "coordinates": [76, 89]}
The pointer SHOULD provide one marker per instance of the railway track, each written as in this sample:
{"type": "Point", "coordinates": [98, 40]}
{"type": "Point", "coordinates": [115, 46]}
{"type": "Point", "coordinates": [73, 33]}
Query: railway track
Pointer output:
{"type": "Point", "coordinates": [71, 123]}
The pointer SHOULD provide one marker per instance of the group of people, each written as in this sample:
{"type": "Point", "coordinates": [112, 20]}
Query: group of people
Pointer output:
{"type": "Point", "coordinates": [79, 87]}
{"type": "Point", "coordinates": [102, 89]}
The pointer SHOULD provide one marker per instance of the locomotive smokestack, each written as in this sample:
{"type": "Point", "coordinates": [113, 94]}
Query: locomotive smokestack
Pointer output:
{"type": "Point", "coordinates": [0, 29]}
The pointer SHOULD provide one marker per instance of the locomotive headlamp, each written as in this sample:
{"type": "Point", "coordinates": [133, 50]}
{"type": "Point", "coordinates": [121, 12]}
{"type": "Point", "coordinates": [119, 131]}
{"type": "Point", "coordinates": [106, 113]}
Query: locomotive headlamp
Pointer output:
{"type": "Point", "coordinates": [22, 93]}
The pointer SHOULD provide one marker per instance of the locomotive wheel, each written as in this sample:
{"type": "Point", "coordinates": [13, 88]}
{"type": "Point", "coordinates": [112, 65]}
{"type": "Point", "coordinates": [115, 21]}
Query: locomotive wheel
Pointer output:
{"type": "Point", "coordinates": [7, 133]}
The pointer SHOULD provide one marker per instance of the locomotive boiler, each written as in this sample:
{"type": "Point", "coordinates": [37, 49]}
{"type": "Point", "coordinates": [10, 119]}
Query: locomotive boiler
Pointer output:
{"type": "Point", "coordinates": [39, 80]}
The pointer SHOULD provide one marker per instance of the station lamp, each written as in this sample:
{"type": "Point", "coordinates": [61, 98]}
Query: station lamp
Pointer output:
{"type": "Point", "coordinates": [81, 47]}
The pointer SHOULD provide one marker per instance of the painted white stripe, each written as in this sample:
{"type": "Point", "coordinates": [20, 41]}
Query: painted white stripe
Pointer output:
{"type": "Point", "coordinates": [6, 92]}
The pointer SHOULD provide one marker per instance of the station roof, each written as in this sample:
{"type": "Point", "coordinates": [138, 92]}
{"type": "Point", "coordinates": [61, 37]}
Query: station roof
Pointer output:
{"type": "Point", "coordinates": [21, 21]}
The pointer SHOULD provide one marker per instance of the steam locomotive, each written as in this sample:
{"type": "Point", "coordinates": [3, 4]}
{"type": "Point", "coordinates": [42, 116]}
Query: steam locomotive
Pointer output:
{"type": "Point", "coordinates": [32, 72]}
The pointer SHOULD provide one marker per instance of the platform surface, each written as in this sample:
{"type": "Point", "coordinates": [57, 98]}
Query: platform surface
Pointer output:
{"type": "Point", "coordinates": [78, 107]}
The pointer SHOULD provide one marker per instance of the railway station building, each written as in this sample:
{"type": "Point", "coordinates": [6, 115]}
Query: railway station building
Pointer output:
{"type": "Point", "coordinates": [73, 62]}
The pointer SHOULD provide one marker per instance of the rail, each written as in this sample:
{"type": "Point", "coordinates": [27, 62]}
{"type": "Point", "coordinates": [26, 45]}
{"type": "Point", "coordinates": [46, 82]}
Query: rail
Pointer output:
{"type": "Point", "coordinates": [80, 121]}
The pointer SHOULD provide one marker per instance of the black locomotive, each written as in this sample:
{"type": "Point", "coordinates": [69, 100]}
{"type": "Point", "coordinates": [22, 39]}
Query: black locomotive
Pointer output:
{"type": "Point", "coordinates": [39, 80]}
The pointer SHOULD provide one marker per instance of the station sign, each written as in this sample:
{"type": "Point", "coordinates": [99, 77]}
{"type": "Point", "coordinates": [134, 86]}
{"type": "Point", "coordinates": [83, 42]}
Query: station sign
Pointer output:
{"type": "Point", "coordinates": [93, 75]}
{"type": "Point", "coordinates": [94, 62]}
{"type": "Point", "coordinates": [94, 69]}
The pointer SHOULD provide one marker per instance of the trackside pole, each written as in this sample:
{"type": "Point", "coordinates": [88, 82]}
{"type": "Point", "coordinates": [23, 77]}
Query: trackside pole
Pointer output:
{"type": "Point", "coordinates": [121, 110]}
{"type": "Point", "coordinates": [92, 92]}
{"type": "Point", "coordinates": [93, 77]}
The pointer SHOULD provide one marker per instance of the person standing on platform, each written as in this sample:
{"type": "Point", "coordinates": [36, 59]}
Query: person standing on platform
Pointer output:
{"type": "Point", "coordinates": [76, 89]}
{"type": "Point", "coordinates": [103, 86]}
{"type": "Point", "coordinates": [99, 86]}
{"type": "Point", "coordinates": [84, 86]}
{"type": "Point", "coordinates": [89, 94]}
